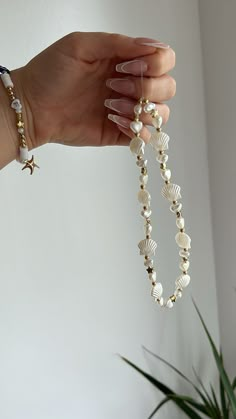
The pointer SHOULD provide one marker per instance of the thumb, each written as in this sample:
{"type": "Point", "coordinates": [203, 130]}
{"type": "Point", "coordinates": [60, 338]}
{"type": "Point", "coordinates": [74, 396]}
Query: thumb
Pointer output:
{"type": "Point", "coordinates": [92, 46]}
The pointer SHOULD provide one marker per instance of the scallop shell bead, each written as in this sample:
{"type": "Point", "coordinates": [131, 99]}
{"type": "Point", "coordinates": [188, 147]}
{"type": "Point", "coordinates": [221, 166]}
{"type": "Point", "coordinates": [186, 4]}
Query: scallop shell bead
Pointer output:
{"type": "Point", "coordinates": [159, 141]}
{"type": "Point", "coordinates": [180, 222]}
{"type": "Point", "coordinates": [157, 291]}
{"type": "Point", "coordinates": [137, 145]}
{"type": "Point", "coordinates": [144, 197]}
{"type": "Point", "coordinates": [171, 192]}
{"type": "Point", "coordinates": [183, 240]}
{"type": "Point", "coordinates": [182, 281]}
{"type": "Point", "coordinates": [147, 247]}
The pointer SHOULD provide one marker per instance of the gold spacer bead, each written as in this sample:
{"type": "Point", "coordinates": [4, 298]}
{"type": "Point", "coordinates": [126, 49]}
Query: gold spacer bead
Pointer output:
{"type": "Point", "coordinates": [144, 208]}
{"type": "Point", "coordinates": [161, 152]}
{"type": "Point", "coordinates": [139, 157]}
{"type": "Point", "coordinates": [173, 298]}
{"type": "Point", "coordinates": [167, 182]}
{"type": "Point", "coordinates": [147, 236]}
{"type": "Point", "coordinates": [182, 230]}
{"type": "Point", "coordinates": [146, 257]}
{"type": "Point", "coordinates": [141, 186]}
{"type": "Point", "coordinates": [162, 166]}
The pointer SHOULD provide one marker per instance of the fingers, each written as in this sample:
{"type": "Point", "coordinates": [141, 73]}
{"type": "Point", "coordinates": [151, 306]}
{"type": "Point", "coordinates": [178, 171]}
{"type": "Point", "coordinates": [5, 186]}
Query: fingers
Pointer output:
{"type": "Point", "coordinates": [156, 89]}
{"type": "Point", "coordinates": [125, 107]}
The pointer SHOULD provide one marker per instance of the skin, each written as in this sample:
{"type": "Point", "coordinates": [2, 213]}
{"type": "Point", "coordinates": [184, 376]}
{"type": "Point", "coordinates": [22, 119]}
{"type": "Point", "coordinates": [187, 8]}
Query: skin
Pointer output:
{"type": "Point", "coordinates": [63, 90]}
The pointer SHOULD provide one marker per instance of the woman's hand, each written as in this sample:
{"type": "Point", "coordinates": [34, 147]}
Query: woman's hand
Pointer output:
{"type": "Point", "coordinates": [63, 89]}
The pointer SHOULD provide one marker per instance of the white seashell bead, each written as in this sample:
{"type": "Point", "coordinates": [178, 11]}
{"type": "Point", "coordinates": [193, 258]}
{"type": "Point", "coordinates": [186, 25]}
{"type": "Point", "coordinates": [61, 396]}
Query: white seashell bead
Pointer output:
{"type": "Point", "coordinates": [184, 265]}
{"type": "Point", "coordinates": [7, 81]}
{"type": "Point", "coordinates": [144, 197]}
{"type": "Point", "coordinates": [138, 109]}
{"type": "Point", "coordinates": [149, 107]}
{"type": "Point", "coordinates": [180, 222]}
{"type": "Point", "coordinates": [166, 174]}
{"type": "Point", "coordinates": [157, 291]}
{"type": "Point", "coordinates": [182, 281]}
{"type": "Point", "coordinates": [137, 145]}
{"type": "Point", "coordinates": [143, 179]}
{"type": "Point", "coordinates": [159, 141]}
{"type": "Point", "coordinates": [147, 247]}
{"type": "Point", "coordinates": [157, 122]}
{"type": "Point", "coordinates": [162, 158]}
{"type": "Point", "coordinates": [136, 126]}
{"type": "Point", "coordinates": [171, 192]}
{"type": "Point", "coordinates": [183, 240]}
{"type": "Point", "coordinates": [169, 303]}
{"type": "Point", "coordinates": [24, 154]}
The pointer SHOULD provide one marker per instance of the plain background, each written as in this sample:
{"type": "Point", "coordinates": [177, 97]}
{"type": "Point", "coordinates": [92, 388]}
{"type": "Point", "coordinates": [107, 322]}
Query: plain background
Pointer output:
{"type": "Point", "coordinates": [74, 291]}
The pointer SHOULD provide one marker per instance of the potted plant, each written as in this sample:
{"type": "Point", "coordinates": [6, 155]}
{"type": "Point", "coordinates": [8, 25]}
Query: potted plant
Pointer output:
{"type": "Point", "coordinates": [206, 402]}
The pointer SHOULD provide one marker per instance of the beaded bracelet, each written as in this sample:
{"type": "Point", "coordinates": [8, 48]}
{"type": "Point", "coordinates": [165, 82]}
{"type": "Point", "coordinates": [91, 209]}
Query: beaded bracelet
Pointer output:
{"type": "Point", "coordinates": [159, 141]}
{"type": "Point", "coordinates": [17, 106]}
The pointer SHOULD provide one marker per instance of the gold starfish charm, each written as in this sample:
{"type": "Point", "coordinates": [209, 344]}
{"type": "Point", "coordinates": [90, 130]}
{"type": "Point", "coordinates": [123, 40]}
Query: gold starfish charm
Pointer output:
{"type": "Point", "coordinates": [30, 164]}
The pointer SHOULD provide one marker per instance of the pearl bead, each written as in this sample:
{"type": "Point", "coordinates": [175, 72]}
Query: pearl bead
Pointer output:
{"type": "Point", "coordinates": [149, 107]}
{"type": "Point", "coordinates": [162, 158]}
{"type": "Point", "coordinates": [157, 122]}
{"type": "Point", "coordinates": [143, 179]}
{"type": "Point", "coordinates": [184, 265]}
{"type": "Point", "coordinates": [166, 174]}
{"type": "Point", "coordinates": [141, 163]}
{"type": "Point", "coordinates": [148, 263]}
{"type": "Point", "coordinates": [184, 253]}
{"type": "Point", "coordinates": [153, 276]}
{"type": "Point", "coordinates": [148, 229]}
{"type": "Point", "coordinates": [7, 81]}
{"type": "Point", "coordinates": [16, 105]}
{"type": "Point", "coordinates": [146, 213]}
{"type": "Point", "coordinates": [178, 293]}
{"type": "Point", "coordinates": [161, 302]}
{"type": "Point", "coordinates": [21, 130]}
{"type": "Point", "coordinates": [138, 109]}
{"type": "Point", "coordinates": [136, 126]}
{"type": "Point", "coordinates": [180, 222]}
{"type": "Point", "coordinates": [176, 207]}
{"type": "Point", "coordinates": [144, 197]}
{"type": "Point", "coordinates": [169, 304]}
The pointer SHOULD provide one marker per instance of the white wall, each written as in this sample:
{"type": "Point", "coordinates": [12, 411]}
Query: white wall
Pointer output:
{"type": "Point", "coordinates": [73, 286]}
{"type": "Point", "coordinates": [218, 41]}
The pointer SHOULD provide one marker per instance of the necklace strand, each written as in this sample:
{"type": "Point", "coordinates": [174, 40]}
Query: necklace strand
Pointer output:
{"type": "Point", "coordinates": [159, 141]}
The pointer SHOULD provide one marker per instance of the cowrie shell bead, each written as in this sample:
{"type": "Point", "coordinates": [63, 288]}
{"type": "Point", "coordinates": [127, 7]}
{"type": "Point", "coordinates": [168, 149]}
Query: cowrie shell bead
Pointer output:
{"type": "Point", "coordinates": [149, 107]}
{"type": "Point", "coordinates": [144, 197]}
{"type": "Point", "coordinates": [166, 174]}
{"type": "Point", "coordinates": [136, 126]}
{"type": "Point", "coordinates": [180, 222]}
{"type": "Point", "coordinates": [157, 122]}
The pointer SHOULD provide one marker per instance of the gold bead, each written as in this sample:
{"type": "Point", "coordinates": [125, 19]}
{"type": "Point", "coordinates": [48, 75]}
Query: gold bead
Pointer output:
{"type": "Point", "coordinates": [173, 298]}
{"type": "Point", "coordinates": [163, 166]}
{"type": "Point", "coordinates": [167, 182]}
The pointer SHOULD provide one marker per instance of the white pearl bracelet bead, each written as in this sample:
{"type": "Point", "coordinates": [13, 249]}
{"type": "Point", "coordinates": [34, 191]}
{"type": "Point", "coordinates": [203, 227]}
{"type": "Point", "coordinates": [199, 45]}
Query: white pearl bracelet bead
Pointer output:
{"type": "Point", "coordinates": [159, 141]}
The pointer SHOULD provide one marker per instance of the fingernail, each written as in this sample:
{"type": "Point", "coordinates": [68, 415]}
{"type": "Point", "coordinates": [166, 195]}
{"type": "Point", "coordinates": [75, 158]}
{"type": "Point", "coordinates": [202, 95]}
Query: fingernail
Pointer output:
{"type": "Point", "coordinates": [133, 67]}
{"type": "Point", "coordinates": [123, 122]}
{"type": "Point", "coordinates": [120, 105]}
{"type": "Point", "coordinates": [121, 85]}
{"type": "Point", "coordinates": [151, 43]}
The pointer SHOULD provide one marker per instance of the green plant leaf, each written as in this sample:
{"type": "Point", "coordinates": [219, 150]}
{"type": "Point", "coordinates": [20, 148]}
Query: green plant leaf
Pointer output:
{"type": "Point", "coordinates": [213, 409]}
{"type": "Point", "coordinates": [223, 374]}
{"type": "Point", "coordinates": [234, 383]}
{"type": "Point", "coordinates": [165, 390]}
{"type": "Point", "coordinates": [224, 403]}
{"type": "Point", "coordinates": [162, 402]}
{"type": "Point", "coordinates": [216, 401]}
{"type": "Point", "coordinates": [208, 404]}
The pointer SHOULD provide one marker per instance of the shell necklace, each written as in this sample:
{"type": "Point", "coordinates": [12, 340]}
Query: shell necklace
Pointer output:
{"type": "Point", "coordinates": [159, 141]}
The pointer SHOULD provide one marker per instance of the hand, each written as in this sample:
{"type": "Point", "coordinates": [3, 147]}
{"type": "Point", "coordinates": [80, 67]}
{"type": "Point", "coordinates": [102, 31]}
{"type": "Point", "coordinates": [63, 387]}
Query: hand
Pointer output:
{"type": "Point", "coordinates": [63, 89]}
